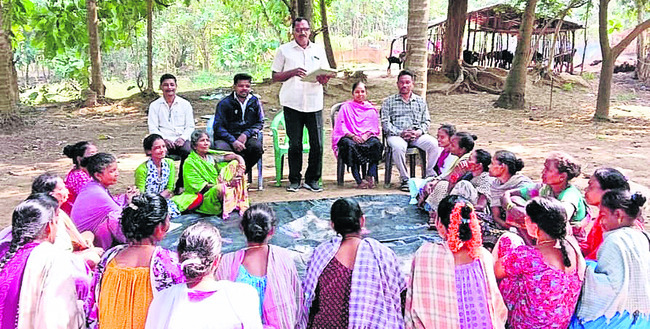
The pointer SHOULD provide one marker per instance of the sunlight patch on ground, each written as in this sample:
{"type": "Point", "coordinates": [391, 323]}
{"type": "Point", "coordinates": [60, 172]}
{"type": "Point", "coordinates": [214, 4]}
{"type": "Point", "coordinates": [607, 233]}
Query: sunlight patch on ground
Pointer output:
{"type": "Point", "coordinates": [635, 111]}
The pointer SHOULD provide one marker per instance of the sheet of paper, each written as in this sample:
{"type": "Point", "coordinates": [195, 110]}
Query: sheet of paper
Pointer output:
{"type": "Point", "coordinates": [311, 76]}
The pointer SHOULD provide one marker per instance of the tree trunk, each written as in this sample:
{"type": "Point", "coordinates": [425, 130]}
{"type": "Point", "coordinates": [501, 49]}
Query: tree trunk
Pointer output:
{"type": "Point", "coordinates": [326, 35]}
{"type": "Point", "coordinates": [306, 10]}
{"type": "Point", "coordinates": [7, 98]}
{"type": "Point", "coordinates": [642, 71]}
{"type": "Point", "coordinates": [96, 80]}
{"type": "Point", "coordinates": [205, 52]}
{"type": "Point", "coordinates": [416, 49]}
{"type": "Point", "coordinates": [609, 55]}
{"type": "Point", "coordinates": [456, 18]}
{"type": "Point", "coordinates": [513, 95]}
{"type": "Point", "coordinates": [149, 46]}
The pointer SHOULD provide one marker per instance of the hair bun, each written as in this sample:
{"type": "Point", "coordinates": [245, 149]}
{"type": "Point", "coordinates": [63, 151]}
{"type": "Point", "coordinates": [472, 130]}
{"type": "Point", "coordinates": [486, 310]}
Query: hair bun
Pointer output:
{"type": "Point", "coordinates": [474, 137]}
{"type": "Point", "coordinates": [519, 164]}
{"type": "Point", "coordinates": [68, 151]}
{"type": "Point", "coordinates": [638, 199]}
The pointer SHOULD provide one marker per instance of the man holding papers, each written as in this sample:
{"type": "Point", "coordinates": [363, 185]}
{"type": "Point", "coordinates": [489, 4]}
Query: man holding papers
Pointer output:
{"type": "Point", "coordinates": [302, 102]}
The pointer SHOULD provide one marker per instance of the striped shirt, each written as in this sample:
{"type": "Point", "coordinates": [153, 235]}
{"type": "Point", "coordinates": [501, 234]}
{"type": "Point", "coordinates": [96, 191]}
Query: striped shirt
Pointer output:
{"type": "Point", "coordinates": [398, 115]}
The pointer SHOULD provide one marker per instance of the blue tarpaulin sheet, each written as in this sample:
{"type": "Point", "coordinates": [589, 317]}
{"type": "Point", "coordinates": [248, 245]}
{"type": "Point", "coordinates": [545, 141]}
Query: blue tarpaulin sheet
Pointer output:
{"type": "Point", "coordinates": [303, 225]}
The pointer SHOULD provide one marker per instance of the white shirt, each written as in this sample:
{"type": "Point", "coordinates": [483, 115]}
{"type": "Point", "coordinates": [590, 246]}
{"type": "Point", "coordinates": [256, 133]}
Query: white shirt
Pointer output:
{"type": "Point", "coordinates": [296, 94]}
{"type": "Point", "coordinates": [171, 122]}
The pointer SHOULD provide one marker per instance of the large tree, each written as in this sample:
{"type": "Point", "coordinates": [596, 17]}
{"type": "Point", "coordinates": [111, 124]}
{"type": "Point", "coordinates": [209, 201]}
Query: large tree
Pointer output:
{"type": "Point", "coordinates": [96, 80]}
{"type": "Point", "coordinates": [642, 71]}
{"type": "Point", "coordinates": [514, 92]}
{"type": "Point", "coordinates": [149, 46]}
{"type": "Point", "coordinates": [609, 55]}
{"type": "Point", "coordinates": [326, 34]}
{"type": "Point", "coordinates": [306, 9]}
{"type": "Point", "coordinates": [455, 27]}
{"type": "Point", "coordinates": [7, 97]}
{"type": "Point", "coordinates": [416, 49]}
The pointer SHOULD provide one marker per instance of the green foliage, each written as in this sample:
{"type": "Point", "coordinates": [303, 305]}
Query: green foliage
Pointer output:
{"type": "Point", "coordinates": [626, 97]}
{"type": "Point", "coordinates": [588, 76]}
{"type": "Point", "coordinates": [614, 25]}
{"type": "Point", "coordinates": [567, 86]}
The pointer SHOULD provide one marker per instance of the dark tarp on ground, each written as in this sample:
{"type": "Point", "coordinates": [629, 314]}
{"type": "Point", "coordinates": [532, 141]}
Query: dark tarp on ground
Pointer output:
{"type": "Point", "coordinates": [302, 225]}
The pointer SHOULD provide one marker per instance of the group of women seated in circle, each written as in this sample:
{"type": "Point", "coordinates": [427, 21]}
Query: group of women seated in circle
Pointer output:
{"type": "Point", "coordinates": [53, 277]}
{"type": "Point", "coordinates": [511, 253]}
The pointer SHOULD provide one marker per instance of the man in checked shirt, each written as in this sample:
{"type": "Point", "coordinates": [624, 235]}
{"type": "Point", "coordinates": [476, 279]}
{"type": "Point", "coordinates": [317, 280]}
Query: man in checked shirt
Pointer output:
{"type": "Point", "coordinates": [405, 119]}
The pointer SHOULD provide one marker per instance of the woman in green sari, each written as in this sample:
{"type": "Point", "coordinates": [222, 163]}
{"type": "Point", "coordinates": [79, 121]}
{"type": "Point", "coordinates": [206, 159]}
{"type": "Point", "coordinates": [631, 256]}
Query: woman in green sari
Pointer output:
{"type": "Point", "coordinates": [216, 175]}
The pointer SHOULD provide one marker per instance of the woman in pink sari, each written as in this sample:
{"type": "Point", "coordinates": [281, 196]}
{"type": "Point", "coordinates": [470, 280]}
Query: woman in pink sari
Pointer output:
{"type": "Point", "coordinates": [78, 176]}
{"type": "Point", "coordinates": [356, 136]}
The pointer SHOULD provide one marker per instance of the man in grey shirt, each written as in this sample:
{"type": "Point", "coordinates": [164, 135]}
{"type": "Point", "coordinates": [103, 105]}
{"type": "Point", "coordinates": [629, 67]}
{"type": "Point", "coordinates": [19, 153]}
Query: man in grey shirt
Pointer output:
{"type": "Point", "coordinates": [405, 119]}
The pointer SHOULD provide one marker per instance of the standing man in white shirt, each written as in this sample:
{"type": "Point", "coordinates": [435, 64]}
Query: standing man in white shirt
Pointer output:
{"type": "Point", "coordinates": [172, 117]}
{"type": "Point", "coordinates": [302, 102]}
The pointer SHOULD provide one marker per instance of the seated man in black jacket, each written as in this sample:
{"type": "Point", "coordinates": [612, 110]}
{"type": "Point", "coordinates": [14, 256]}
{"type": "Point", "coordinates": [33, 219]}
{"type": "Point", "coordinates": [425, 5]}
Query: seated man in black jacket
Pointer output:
{"type": "Point", "coordinates": [238, 119]}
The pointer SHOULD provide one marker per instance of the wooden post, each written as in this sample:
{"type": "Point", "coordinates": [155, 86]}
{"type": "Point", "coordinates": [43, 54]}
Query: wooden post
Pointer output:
{"type": "Point", "coordinates": [468, 30]}
{"type": "Point", "coordinates": [573, 46]}
{"type": "Point", "coordinates": [490, 60]}
{"type": "Point", "coordinates": [475, 30]}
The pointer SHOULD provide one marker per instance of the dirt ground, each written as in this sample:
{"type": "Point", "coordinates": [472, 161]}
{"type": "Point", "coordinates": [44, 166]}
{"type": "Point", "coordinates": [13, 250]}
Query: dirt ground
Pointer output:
{"type": "Point", "coordinates": [531, 134]}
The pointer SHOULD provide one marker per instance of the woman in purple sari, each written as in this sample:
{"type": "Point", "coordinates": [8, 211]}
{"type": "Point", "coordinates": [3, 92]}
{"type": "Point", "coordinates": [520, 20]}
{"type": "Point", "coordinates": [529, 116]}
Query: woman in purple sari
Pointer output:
{"type": "Point", "coordinates": [38, 290]}
{"type": "Point", "coordinates": [96, 210]}
{"type": "Point", "coordinates": [355, 137]}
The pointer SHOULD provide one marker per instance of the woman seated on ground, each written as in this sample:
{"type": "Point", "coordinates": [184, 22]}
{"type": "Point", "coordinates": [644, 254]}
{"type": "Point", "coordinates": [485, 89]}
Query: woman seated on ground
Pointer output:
{"type": "Point", "coordinates": [445, 162]}
{"type": "Point", "coordinates": [158, 176]}
{"type": "Point", "coordinates": [355, 137]}
{"type": "Point", "coordinates": [559, 169]}
{"type": "Point", "coordinates": [78, 176]}
{"type": "Point", "coordinates": [443, 165]}
{"type": "Point", "coordinates": [67, 236]}
{"type": "Point", "coordinates": [351, 281]}
{"type": "Point", "coordinates": [454, 274]}
{"type": "Point", "coordinates": [267, 268]}
{"type": "Point", "coordinates": [540, 284]}
{"type": "Point", "coordinates": [38, 288]}
{"type": "Point", "coordinates": [603, 180]}
{"type": "Point", "coordinates": [96, 210]}
{"type": "Point", "coordinates": [217, 176]}
{"type": "Point", "coordinates": [204, 302]}
{"type": "Point", "coordinates": [470, 180]}
{"type": "Point", "coordinates": [504, 168]}
{"type": "Point", "coordinates": [460, 146]}
{"type": "Point", "coordinates": [129, 276]}
{"type": "Point", "coordinates": [616, 293]}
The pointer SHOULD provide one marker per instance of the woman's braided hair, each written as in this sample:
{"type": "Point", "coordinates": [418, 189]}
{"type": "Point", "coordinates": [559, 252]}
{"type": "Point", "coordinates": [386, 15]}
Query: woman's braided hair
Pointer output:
{"type": "Point", "coordinates": [28, 222]}
{"type": "Point", "coordinates": [550, 215]}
